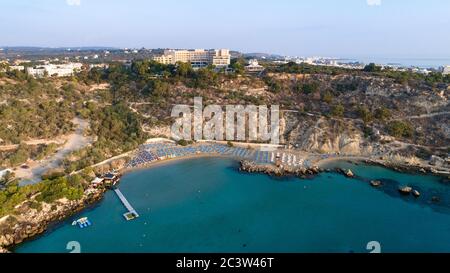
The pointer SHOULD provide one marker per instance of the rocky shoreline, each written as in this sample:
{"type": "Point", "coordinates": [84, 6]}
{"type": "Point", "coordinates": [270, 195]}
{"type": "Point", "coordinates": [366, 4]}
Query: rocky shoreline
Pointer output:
{"type": "Point", "coordinates": [31, 222]}
{"type": "Point", "coordinates": [406, 168]}
{"type": "Point", "coordinates": [251, 167]}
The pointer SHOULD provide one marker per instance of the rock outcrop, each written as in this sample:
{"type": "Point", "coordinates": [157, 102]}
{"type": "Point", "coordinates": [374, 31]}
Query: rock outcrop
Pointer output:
{"type": "Point", "coordinates": [251, 167]}
{"type": "Point", "coordinates": [30, 222]}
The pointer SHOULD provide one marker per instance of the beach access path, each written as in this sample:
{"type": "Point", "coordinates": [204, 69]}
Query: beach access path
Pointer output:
{"type": "Point", "coordinates": [75, 141]}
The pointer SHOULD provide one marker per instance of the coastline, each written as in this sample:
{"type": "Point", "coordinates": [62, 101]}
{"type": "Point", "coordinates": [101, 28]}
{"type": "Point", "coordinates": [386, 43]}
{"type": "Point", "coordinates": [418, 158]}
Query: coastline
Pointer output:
{"type": "Point", "coordinates": [395, 166]}
{"type": "Point", "coordinates": [34, 223]}
{"type": "Point", "coordinates": [41, 224]}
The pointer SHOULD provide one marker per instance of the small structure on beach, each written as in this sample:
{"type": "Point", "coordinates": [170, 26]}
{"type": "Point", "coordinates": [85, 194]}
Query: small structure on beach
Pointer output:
{"type": "Point", "coordinates": [111, 179]}
{"type": "Point", "coordinates": [97, 182]}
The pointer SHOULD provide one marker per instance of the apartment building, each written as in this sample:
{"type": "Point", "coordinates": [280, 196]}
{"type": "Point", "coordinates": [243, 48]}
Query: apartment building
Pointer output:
{"type": "Point", "coordinates": [197, 57]}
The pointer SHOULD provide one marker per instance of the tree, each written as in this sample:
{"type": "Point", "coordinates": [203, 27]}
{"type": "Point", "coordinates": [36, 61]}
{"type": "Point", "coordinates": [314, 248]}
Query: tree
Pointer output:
{"type": "Point", "coordinates": [184, 69]}
{"type": "Point", "coordinates": [364, 114]}
{"type": "Point", "coordinates": [182, 142]}
{"type": "Point", "coordinates": [327, 97]}
{"type": "Point", "coordinates": [273, 85]}
{"type": "Point", "coordinates": [372, 68]}
{"type": "Point", "coordinates": [337, 111]}
{"type": "Point", "coordinates": [400, 129]}
{"type": "Point", "coordinates": [238, 65]}
{"type": "Point", "coordinates": [309, 88]}
{"type": "Point", "coordinates": [382, 113]}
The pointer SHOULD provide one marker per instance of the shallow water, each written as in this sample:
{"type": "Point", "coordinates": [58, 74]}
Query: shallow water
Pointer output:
{"type": "Point", "coordinates": [207, 205]}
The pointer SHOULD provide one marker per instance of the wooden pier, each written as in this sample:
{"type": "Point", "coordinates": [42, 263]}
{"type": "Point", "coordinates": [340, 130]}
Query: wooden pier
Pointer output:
{"type": "Point", "coordinates": [131, 214]}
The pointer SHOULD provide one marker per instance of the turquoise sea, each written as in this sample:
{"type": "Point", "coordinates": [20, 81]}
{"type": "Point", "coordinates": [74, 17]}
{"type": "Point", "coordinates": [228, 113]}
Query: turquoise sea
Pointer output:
{"type": "Point", "coordinates": [207, 205]}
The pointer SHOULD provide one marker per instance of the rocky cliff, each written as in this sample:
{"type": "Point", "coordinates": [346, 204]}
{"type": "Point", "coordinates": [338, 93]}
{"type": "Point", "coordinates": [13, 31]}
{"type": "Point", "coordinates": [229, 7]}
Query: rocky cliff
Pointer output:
{"type": "Point", "coordinates": [31, 221]}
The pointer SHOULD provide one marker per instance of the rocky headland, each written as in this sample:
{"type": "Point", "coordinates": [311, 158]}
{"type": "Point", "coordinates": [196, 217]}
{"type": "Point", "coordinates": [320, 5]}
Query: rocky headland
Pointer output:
{"type": "Point", "coordinates": [30, 221]}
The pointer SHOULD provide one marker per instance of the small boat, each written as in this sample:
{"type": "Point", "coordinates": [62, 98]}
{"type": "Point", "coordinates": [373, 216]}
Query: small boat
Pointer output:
{"type": "Point", "coordinates": [82, 222]}
{"type": "Point", "coordinates": [416, 193]}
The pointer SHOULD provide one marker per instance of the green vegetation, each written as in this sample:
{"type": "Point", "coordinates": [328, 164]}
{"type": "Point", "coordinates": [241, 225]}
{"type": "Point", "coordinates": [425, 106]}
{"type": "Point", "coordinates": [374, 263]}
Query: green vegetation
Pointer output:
{"type": "Point", "coordinates": [24, 152]}
{"type": "Point", "coordinates": [303, 68]}
{"type": "Point", "coordinates": [47, 191]}
{"type": "Point", "coordinates": [372, 68]}
{"type": "Point", "coordinates": [337, 111]}
{"type": "Point", "coordinates": [238, 65]}
{"type": "Point", "coordinates": [118, 130]}
{"type": "Point", "coordinates": [20, 156]}
{"type": "Point", "coordinates": [36, 109]}
{"type": "Point", "coordinates": [183, 142]}
{"type": "Point", "coordinates": [239, 95]}
{"type": "Point", "coordinates": [402, 77]}
{"type": "Point", "coordinates": [327, 97]}
{"type": "Point", "coordinates": [21, 120]}
{"type": "Point", "coordinates": [382, 113]}
{"type": "Point", "coordinates": [306, 88]}
{"type": "Point", "coordinates": [400, 129]}
{"type": "Point", "coordinates": [365, 114]}
{"type": "Point", "coordinates": [347, 86]}
{"type": "Point", "coordinates": [274, 85]}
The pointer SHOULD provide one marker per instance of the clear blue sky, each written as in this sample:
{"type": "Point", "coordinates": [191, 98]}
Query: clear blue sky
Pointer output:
{"type": "Point", "coordinates": [392, 28]}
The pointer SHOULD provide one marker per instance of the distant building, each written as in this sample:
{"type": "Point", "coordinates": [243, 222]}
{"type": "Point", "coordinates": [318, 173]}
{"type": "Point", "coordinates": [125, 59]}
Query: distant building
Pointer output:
{"type": "Point", "coordinates": [446, 70]}
{"type": "Point", "coordinates": [59, 70]}
{"type": "Point", "coordinates": [20, 61]}
{"type": "Point", "coordinates": [16, 67]}
{"type": "Point", "coordinates": [101, 65]}
{"type": "Point", "coordinates": [197, 57]}
{"type": "Point", "coordinates": [254, 67]}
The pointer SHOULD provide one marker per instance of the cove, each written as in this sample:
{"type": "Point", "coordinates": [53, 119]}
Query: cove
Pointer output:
{"type": "Point", "coordinates": [207, 205]}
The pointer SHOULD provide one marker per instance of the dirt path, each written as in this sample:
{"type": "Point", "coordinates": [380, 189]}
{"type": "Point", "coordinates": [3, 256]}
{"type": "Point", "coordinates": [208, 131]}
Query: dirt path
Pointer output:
{"type": "Point", "coordinates": [75, 141]}
{"type": "Point", "coordinates": [33, 142]}
{"type": "Point", "coordinates": [424, 115]}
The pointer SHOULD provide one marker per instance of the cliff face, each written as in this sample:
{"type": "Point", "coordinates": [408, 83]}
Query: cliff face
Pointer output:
{"type": "Point", "coordinates": [324, 135]}
{"type": "Point", "coordinates": [29, 222]}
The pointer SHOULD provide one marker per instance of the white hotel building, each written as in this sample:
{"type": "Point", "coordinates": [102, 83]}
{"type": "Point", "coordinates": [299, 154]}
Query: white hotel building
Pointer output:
{"type": "Point", "coordinates": [197, 57]}
{"type": "Point", "coordinates": [59, 70]}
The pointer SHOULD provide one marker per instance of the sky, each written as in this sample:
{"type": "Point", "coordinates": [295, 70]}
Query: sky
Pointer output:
{"type": "Point", "coordinates": [332, 28]}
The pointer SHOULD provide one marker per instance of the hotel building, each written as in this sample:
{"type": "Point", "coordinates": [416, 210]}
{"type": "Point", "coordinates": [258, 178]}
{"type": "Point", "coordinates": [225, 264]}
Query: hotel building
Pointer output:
{"type": "Point", "coordinates": [59, 70]}
{"type": "Point", "coordinates": [197, 57]}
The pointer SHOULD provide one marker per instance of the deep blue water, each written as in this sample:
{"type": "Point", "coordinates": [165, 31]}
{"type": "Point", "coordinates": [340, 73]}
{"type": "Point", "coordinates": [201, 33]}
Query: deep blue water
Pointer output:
{"type": "Point", "coordinates": [207, 205]}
